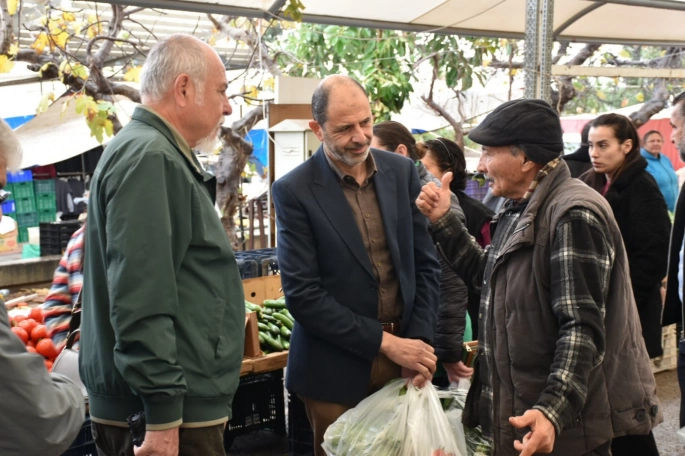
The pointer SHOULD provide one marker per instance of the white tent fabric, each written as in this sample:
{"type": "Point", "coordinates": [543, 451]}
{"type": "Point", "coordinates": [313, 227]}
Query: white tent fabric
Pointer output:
{"type": "Point", "coordinates": [611, 21]}
{"type": "Point", "coordinates": [56, 134]}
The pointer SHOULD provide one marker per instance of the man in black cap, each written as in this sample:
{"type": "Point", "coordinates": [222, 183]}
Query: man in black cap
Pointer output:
{"type": "Point", "coordinates": [562, 366]}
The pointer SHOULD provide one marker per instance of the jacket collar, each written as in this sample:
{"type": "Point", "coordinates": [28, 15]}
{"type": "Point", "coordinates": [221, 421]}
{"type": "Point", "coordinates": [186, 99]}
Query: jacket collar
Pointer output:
{"type": "Point", "coordinates": [326, 189]}
{"type": "Point", "coordinates": [649, 156]}
{"type": "Point", "coordinates": [149, 117]}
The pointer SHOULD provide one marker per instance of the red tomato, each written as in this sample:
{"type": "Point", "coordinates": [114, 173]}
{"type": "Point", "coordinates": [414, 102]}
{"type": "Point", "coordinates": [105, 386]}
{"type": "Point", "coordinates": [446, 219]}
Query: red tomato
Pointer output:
{"type": "Point", "coordinates": [31, 343]}
{"type": "Point", "coordinates": [31, 349]}
{"type": "Point", "coordinates": [28, 325]}
{"type": "Point", "coordinates": [37, 314]}
{"type": "Point", "coordinates": [18, 319]}
{"type": "Point", "coordinates": [46, 348]}
{"type": "Point", "coordinates": [39, 332]}
{"type": "Point", "coordinates": [21, 334]}
{"type": "Point", "coordinates": [48, 365]}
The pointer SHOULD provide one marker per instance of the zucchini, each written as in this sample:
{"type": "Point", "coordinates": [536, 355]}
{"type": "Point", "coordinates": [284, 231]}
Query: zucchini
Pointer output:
{"type": "Point", "coordinates": [286, 345]}
{"type": "Point", "coordinates": [283, 319]}
{"type": "Point", "coordinates": [266, 310]}
{"type": "Point", "coordinates": [285, 332]}
{"type": "Point", "coordinates": [275, 346]}
{"type": "Point", "coordinates": [261, 338]}
{"type": "Point", "coordinates": [273, 304]}
{"type": "Point", "coordinates": [252, 307]}
{"type": "Point", "coordinates": [269, 318]}
{"type": "Point", "coordinates": [287, 313]}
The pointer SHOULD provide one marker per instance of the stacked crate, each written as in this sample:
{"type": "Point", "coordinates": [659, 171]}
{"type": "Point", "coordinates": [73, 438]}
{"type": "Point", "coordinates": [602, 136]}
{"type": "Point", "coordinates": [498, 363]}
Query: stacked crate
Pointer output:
{"type": "Point", "coordinates": [46, 201]}
{"type": "Point", "coordinates": [24, 202]}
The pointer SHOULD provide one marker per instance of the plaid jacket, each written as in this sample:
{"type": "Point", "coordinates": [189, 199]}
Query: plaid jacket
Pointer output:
{"type": "Point", "coordinates": [544, 285]}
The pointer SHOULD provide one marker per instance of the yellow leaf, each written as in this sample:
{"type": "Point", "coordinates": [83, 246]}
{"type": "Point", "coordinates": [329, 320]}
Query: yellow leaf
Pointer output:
{"type": "Point", "coordinates": [40, 43]}
{"type": "Point", "coordinates": [212, 40]}
{"type": "Point", "coordinates": [77, 26]}
{"type": "Point", "coordinates": [640, 97]}
{"type": "Point", "coordinates": [80, 71]}
{"type": "Point", "coordinates": [45, 102]}
{"type": "Point", "coordinates": [12, 7]}
{"type": "Point", "coordinates": [14, 49]}
{"type": "Point", "coordinates": [109, 127]}
{"type": "Point", "coordinates": [133, 74]}
{"type": "Point", "coordinates": [61, 39]}
{"type": "Point", "coordinates": [6, 64]}
{"type": "Point", "coordinates": [601, 95]}
{"type": "Point", "coordinates": [513, 71]}
{"type": "Point", "coordinates": [486, 62]}
{"type": "Point", "coordinates": [69, 17]}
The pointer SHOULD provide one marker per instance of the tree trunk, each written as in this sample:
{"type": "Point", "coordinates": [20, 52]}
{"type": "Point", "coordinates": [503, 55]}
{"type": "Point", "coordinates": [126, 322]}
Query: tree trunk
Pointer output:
{"type": "Point", "coordinates": [234, 154]}
{"type": "Point", "coordinates": [566, 92]}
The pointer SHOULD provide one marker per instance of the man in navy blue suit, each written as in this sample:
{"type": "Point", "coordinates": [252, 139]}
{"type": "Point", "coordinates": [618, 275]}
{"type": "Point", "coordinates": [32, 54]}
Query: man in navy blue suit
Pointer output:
{"type": "Point", "coordinates": [358, 267]}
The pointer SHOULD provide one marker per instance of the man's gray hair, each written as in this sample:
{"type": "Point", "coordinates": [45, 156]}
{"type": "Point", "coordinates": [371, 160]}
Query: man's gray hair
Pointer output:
{"type": "Point", "coordinates": [167, 60]}
{"type": "Point", "coordinates": [10, 149]}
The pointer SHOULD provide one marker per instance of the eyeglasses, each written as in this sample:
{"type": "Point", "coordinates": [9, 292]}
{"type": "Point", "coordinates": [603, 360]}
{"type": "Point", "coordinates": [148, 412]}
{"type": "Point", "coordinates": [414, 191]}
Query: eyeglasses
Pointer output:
{"type": "Point", "coordinates": [4, 194]}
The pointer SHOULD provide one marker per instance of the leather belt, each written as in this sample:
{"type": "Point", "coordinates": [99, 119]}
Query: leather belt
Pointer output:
{"type": "Point", "coordinates": [392, 327]}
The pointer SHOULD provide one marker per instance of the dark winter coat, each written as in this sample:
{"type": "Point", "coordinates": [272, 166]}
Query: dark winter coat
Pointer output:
{"type": "Point", "coordinates": [673, 310]}
{"type": "Point", "coordinates": [641, 213]}
{"type": "Point", "coordinates": [454, 296]}
{"type": "Point", "coordinates": [579, 161]}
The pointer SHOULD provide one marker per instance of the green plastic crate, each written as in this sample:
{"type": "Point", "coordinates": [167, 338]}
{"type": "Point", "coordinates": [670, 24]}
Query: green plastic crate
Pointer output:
{"type": "Point", "coordinates": [46, 201]}
{"type": "Point", "coordinates": [27, 219]}
{"type": "Point", "coordinates": [9, 188]}
{"type": "Point", "coordinates": [44, 186]}
{"type": "Point", "coordinates": [23, 235]}
{"type": "Point", "coordinates": [47, 215]}
{"type": "Point", "coordinates": [12, 215]}
{"type": "Point", "coordinates": [25, 205]}
{"type": "Point", "coordinates": [22, 190]}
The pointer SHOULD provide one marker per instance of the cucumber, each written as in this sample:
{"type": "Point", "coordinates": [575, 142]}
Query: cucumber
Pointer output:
{"type": "Point", "coordinates": [273, 304]}
{"type": "Point", "coordinates": [266, 310]}
{"type": "Point", "coordinates": [287, 313]}
{"type": "Point", "coordinates": [274, 344]}
{"type": "Point", "coordinates": [252, 307]}
{"type": "Point", "coordinates": [274, 329]}
{"type": "Point", "coordinates": [269, 318]}
{"type": "Point", "coordinates": [286, 345]}
{"type": "Point", "coordinates": [285, 332]}
{"type": "Point", "coordinates": [263, 327]}
{"type": "Point", "coordinates": [261, 338]}
{"type": "Point", "coordinates": [283, 319]}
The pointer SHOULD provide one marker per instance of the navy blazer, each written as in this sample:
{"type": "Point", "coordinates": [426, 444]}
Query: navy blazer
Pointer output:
{"type": "Point", "coordinates": [328, 281]}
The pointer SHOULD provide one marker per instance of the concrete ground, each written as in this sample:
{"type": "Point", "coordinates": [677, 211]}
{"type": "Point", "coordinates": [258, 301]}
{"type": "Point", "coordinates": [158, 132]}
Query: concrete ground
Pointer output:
{"type": "Point", "coordinates": [265, 443]}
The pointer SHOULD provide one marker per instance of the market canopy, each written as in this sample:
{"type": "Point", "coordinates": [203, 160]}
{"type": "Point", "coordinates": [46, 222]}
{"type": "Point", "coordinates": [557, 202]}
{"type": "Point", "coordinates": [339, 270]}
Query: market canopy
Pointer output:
{"type": "Point", "coordinates": [657, 22]}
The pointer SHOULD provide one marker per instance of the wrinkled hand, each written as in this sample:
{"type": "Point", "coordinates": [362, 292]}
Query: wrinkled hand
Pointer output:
{"type": "Point", "coordinates": [417, 379]}
{"type": "Point", "coordinates": [542, 434]}
{"type": "Point", "coordinates": [159, 443]}
{"type": "Point", "coordinates": [457, 371]}
{"type": "Point", "coordinates": [412, 354]}
{"type": "Point", "coordinates": [434, 202]}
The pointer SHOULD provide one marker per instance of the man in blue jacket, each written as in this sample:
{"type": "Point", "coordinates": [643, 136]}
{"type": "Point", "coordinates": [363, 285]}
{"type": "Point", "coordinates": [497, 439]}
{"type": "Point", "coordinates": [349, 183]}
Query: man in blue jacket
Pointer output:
{"type": "Point", "coordinates": [660, 167]}
{"type": "Point", "coordinates": [358, 268]}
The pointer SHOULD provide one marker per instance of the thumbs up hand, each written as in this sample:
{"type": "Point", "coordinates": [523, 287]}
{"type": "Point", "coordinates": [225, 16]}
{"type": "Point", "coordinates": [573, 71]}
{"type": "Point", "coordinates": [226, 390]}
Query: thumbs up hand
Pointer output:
{"type": "Point", "coordinates": [434, 202]}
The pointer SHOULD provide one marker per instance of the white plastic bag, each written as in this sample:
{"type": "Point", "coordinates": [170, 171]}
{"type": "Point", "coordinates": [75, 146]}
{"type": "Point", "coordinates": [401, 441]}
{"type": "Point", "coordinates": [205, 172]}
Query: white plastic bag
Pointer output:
{"type": "Point", "coordinates": [681, 436]}
{"type": "Point", "coordinates": [399, 420]}
{"type": "Point", "coordinates": [470, 441]}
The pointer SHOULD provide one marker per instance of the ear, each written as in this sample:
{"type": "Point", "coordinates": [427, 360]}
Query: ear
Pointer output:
{"type": "Point", "coordinates": [627, 146]}
{"type": "Point", "coordinates": [527, 165]}
{"type": "Point", "coordinates": [317, 129]}
{"type": "Point", "coordinates": [184, 92]}
{"type": "Point", "coordinates": [402, 150]}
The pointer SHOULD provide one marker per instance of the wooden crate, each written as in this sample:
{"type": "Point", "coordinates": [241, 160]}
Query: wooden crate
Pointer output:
{"type": "Point", "coordinates": [261, 288]}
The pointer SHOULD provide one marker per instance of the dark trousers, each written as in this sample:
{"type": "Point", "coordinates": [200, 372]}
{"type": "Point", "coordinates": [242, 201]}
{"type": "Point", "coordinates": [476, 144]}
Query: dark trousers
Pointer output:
{"type": "Point", "coordinates": [630, 445]}
{"type": "Point", "coordinates": [602, 450]}
{"type": "Point", "coordinates": [116, 441]}
{"type": "Point", "coordinates": [681, 379]}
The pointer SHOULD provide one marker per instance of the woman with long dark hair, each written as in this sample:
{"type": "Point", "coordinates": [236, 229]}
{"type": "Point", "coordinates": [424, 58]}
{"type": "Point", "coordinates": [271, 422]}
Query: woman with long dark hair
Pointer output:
{"type": "Point", "coordinates": [619, 173]}
{"type": "Point", "coordinates": [451, 321]}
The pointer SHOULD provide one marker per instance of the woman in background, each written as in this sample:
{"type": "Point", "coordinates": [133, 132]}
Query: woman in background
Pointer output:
{"type": "Point", "coordinates": [619, 173]}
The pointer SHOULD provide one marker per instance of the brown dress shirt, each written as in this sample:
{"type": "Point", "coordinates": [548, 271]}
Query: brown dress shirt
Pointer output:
{"type": "Point", "coordinates": [367, 214]}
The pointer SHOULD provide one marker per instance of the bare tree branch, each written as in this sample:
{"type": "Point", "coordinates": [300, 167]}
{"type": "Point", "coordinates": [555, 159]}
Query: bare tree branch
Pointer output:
{"type": "Point", "coordinates": [5, 28]}
{"type": "Point", "coordinates": [672, 59]}
{"type": "Point", "coordinates": [565, 91]}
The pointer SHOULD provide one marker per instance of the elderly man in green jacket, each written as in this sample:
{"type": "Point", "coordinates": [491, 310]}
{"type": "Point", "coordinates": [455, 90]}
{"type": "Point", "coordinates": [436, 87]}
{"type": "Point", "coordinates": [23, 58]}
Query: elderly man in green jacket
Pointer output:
{"type": "Point", "coordinates": [163, 312]}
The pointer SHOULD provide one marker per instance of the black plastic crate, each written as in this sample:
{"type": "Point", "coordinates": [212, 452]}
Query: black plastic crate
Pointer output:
{"type": "Point", "coordinates": [84, 444]}
{"type": "Point", "coordinates": [54, 236]}
{"type": "Point", "coordinates": [300, 435]}
{"type": "Point", "coordinates": [266, 259]}
{"type": "Point", "coordinates": [248, 268]}
{"type": "Point", "coordinates": [258, 404]}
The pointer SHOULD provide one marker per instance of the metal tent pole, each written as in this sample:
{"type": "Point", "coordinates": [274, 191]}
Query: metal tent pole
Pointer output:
{"type": "Point", "coordinates": [539, 42]}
